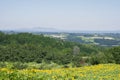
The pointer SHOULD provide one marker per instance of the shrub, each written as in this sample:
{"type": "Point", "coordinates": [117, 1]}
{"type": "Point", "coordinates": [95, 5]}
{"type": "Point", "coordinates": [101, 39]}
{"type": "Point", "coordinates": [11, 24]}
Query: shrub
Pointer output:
{"type": "Point", "coordinates": [2, 65]}
{"type": "Point", "coordinates": [19, 65]}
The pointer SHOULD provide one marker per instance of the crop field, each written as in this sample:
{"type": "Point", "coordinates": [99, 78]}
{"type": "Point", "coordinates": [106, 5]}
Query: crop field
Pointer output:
{"type": "Point", "coordinates": [96, 72]}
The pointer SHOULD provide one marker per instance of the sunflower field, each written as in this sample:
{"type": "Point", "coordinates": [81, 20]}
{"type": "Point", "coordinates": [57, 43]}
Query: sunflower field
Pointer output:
{"type": "Point", "coordinates": [96, 72]}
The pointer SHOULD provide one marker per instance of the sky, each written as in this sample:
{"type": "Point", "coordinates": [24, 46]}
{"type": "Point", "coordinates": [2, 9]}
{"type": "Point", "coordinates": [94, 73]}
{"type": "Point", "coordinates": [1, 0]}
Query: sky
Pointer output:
{"type": "Point", "coordinates": [67, 15]}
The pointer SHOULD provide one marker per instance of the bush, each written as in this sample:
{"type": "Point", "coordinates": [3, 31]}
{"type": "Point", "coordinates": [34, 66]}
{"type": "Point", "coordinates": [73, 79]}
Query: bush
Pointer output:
{"type": "Point", "coordinates": [99, 58]}
{"type": "Point", "coordinates": [115, 53]}
{"type": "Point", "coordinates": [3, 65]}
{"type": "Point", "coordinates": [19, 66]}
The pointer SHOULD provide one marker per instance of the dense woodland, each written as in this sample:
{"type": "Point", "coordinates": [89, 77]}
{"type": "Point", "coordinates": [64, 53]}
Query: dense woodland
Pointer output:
{"type": "Point", "coordinates": [27, 47]}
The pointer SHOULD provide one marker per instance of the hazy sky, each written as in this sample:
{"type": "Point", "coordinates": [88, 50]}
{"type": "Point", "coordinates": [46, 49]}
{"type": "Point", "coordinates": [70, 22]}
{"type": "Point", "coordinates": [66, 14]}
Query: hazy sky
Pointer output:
{"type": "Point", "coordinates": [60, 14]}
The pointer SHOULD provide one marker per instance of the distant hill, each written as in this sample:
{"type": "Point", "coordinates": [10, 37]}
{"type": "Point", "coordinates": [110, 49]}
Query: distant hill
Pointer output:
{"type": "Point", "coordinates": [103, 38]}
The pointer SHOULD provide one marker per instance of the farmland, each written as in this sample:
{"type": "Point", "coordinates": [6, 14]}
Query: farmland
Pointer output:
{"type": "Point", "coordinates": [96, 72]}
{"type": "Point", "coordinates": [103, 39]}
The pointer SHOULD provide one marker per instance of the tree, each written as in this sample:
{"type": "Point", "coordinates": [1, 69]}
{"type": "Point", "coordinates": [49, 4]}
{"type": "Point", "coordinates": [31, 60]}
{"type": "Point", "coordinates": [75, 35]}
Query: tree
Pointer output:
{"type": "Point", "coordinates": [76, 50]}
{"type": "Point", "coordinates": [115, 52]}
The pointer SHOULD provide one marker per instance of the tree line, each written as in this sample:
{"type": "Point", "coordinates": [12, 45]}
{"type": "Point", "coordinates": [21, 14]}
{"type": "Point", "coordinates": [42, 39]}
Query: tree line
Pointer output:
{"type": "Point", "coordinates": [27, 47]}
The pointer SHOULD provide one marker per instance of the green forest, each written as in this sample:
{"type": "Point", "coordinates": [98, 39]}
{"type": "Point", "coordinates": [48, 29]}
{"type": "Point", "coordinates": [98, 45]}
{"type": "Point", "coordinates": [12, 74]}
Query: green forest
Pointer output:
{"type": "Point", "coordinates": [28, 47]}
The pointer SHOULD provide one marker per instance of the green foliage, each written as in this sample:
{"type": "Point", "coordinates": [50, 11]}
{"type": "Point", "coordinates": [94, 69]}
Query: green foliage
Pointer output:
{"type": "Point", "coordinates": [26, 47]}
{"type": "Point", "coordinates": [30, 65]}
{"type": "Point", "coordinates": [51, 65]}
{"type": "Point", "coordinates": [114, 54]}
{"type": "Point", "coordinates": [99, 58]}
{"type": "Point", "coordinates": [2, 64]}
{"type": "Point", "coordinates": [19, 65]}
